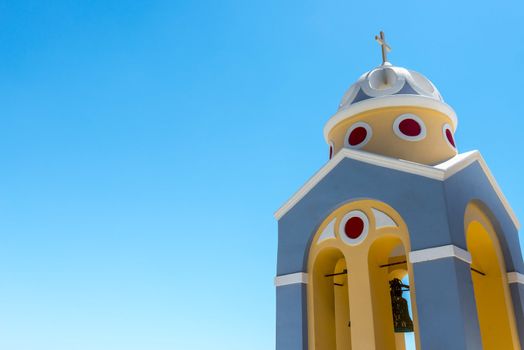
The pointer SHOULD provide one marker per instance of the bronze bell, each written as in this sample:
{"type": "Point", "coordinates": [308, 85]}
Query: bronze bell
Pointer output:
{"type": "Point", "coordinates": [401, 321]}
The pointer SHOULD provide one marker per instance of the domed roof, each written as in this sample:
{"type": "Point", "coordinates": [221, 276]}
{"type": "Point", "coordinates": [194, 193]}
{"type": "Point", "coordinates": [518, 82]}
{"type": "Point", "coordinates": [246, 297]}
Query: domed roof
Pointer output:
{"type": "Point", "coordinates": [389, 86]}
{"type": "Point", "coordinates": [386, 80]}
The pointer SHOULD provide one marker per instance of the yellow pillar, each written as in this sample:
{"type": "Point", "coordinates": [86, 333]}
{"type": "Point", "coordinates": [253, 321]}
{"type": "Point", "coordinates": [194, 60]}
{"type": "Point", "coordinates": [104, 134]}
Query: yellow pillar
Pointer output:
{"type": "Point", "coordinates": [361, 309]}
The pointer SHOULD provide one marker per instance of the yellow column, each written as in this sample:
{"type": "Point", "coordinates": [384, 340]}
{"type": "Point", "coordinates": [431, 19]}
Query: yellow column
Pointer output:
{"type": "Point", "coordinates": [360, 307]}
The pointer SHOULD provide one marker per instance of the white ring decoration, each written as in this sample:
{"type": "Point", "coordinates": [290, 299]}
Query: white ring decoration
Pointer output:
{"type": "Point", "coordinates": [365, 229]}
{"type": "Point", "coordinates": [400, 119]}
{"type": "Point", "coordinates": [379, 75]}
{"type": "Point", "coordinates": [349, 96]}
{"type": "Point", "coordinates": [369, 133]}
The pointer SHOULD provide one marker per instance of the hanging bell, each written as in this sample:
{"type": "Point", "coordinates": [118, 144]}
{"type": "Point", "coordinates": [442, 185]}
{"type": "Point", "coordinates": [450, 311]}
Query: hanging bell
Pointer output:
{"type": "Point", "coordinates": [401, 321]}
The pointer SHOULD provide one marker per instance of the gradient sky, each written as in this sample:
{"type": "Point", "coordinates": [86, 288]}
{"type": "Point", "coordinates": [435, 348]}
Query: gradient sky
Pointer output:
{"type": "Point", "coordinates": [145, 145]}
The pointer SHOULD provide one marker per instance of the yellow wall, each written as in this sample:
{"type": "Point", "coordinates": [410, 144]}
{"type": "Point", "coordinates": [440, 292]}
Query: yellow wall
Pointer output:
{"type": "Point", "coordinates": [494, 307]}
{"type": "Point", "coordinates": [369, 306]}
{"type": "Point", "coordinates": [323, 294]}
{"type": "Point", "coordinates": [433, 149]}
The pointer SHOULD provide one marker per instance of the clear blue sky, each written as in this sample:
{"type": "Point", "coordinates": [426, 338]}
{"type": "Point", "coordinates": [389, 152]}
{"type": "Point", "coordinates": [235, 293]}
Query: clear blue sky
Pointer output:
{"type": "Point", "coordinates": [144, 146]}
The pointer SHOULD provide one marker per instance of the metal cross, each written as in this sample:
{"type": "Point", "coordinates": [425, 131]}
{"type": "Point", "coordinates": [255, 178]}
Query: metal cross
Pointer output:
{"type": "Point", "coordinates": [384, 45]}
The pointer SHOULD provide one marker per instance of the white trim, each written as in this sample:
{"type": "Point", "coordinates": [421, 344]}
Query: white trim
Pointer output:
{"type": "Point", "coordinates": [401, 135]}
{"type": "Point", "coordinates": [382, 219]}
{"type": "Point", "coordinates": [328, 232]}
{"type": "Point", "coordinates": [365, 230]}
{"type": "Point", "coordinates": [369, 135]}
{"type": "Point", "coordinates": [446, 251]}
{"type": "Point", "coordinates": [349, 95]}
{"type": "Point", "coordinates": [390, 101]}
{"type": "Point", "coordinates": [417, 80]}
{"type": "Point", "coordinates": [438, 172]}
{"type": "Point", "coordinates": [515, 277]}
{"type": "Point", "coordinates": [292, 278]}
{"type": "Point", "coordinates": [460, 161]}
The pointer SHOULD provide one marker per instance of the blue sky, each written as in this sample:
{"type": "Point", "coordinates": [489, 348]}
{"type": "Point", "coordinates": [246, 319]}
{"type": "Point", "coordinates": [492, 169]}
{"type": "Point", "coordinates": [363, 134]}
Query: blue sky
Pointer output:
{"type": "Point", "coordinates": [144, 146]}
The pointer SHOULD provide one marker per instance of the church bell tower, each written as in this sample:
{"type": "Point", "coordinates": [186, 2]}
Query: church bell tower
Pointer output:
{"type": "Point", "coordinates": [398, 233]}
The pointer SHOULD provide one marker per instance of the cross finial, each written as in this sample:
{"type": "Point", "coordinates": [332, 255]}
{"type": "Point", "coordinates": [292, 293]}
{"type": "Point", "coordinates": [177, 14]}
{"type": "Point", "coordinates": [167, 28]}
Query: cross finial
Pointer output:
{"type": "Point", "coordinates": [384, 45]}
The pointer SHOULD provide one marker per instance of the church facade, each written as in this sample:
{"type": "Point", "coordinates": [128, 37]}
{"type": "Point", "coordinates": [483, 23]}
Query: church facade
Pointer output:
{"type": "Point", "coordinates": [398, 232]}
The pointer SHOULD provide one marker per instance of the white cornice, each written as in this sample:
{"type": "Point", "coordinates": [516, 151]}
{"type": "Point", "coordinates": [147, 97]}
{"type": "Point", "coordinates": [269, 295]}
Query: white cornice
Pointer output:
{"type": "Point", "coordinates": [446, 251]}
{"type": "Point", "coordinates": [292, 278]}
{"type": "Point", "coordinates": [438, 172]}
{"type": "Point", "coordinates": [515, 277]}
{"type": "Point", "coordinates": [390, 101]}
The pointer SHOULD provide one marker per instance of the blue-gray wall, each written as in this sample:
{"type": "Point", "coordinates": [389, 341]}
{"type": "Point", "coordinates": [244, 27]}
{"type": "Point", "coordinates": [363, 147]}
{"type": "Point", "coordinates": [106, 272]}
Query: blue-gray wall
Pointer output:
{"type": "Point", "coordinates": [517, 294]}
{"type": "Point", "coordinates": [471, 184]}
{"type": "Point", "coordinates": [447, 313]}
{"type": "Point", "coordinates": [434, 213]}
{"type": "Point", "coordinates": [292, 317]}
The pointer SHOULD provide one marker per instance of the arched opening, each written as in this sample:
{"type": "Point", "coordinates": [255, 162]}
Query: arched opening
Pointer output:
{"type": "Point", "coordinates": [388, 263]}
{"type": "Point", "coordinates": [332, 325]}
{"type": "Point", "coordinates": [357, 250]}
{"type": "Point", "coordinates": [488, 273]}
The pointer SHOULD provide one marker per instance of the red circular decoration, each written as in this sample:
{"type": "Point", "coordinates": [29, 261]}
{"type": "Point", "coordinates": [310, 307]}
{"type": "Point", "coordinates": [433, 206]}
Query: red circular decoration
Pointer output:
{"type": "Point", "coordinates": [410, 127]}
{"type": "Point", "coordinates": [357, 136]}
{"type": "Point", "coordinates": [450, 138]}
{"type": "Point", "coordinates": [354, 227]}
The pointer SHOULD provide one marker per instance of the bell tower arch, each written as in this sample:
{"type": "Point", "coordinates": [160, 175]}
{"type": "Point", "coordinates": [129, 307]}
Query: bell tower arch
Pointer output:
{"type": "Point", "coordinates": [354, 255]}
{"type": "Point", "coordinates": [492, 295]}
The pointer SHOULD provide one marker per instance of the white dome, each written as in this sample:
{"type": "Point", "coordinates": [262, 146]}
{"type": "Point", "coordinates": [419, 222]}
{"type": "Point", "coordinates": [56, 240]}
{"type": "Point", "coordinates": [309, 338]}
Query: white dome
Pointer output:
{"type": "Point", "coordinates": [389, 86]}
{"type": "Point", "coordinates": [387, 80]}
